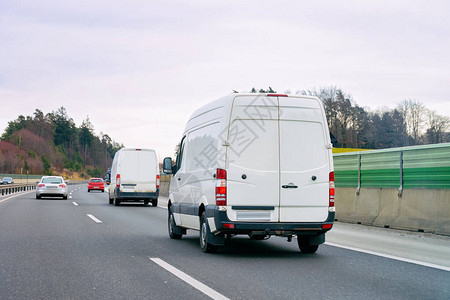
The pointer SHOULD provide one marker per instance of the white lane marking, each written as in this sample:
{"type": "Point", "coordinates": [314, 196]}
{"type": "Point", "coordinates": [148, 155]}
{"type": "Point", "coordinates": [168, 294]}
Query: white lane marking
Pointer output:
{"type": "Point", "coordinates": [188, 279]}
{"type": "Point", "coordinates": [94, 218]}
{"type": "Point", "coordinates": [16, 195]}
{"type": "Point", "coordinates": [417, 262]}
{"type": "Point", "coordinates": [74, 203]}
{"type": "Point", "coordinates": [70, 197]}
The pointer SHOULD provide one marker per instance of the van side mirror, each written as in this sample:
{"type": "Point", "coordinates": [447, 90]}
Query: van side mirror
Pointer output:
{"type": "Point", "coordinates": [167, 165]}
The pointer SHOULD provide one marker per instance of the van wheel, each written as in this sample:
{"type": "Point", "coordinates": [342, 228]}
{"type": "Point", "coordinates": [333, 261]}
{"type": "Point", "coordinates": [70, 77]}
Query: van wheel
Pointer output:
{"type": "Point", "coordinates": [155, 202]}
{"type": "Point", "coordinates": [110, 199]}
{"type": "Point", "coordinates": [116, 201]}
{"type": "Point", "coordinates": [204, 231]}
{"type": "Point", "coordinates": [305, 247]}
{"type": "Point", "coordinates": [171, 225]}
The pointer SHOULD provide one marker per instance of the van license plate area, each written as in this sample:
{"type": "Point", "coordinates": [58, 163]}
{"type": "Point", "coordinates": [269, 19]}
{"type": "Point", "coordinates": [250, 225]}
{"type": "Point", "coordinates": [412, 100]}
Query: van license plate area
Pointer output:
{"type": "Point", "coordinates": [253, 215]}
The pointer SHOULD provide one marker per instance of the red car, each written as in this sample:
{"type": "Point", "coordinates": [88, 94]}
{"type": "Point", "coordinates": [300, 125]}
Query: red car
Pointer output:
{"type": "Point", "coordinates": [96, 184]}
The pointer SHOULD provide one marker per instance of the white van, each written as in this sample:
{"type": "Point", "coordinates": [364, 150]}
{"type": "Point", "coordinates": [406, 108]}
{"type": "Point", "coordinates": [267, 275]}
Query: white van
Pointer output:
{"type": "Point", "coordinates": [134, 176]}
{"type": "Point", "coordinates": [254, 164]}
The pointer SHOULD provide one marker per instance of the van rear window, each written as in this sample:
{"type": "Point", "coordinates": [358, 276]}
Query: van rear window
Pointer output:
{"type": "Point", "coordinates": [253, 147]}
{"type": "Point", "coordinates": [303, 146]}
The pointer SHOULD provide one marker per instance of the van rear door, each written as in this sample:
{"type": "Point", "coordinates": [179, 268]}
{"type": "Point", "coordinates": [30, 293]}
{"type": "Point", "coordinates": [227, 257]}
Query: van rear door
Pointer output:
{"type": "Point", "coordinates": [253, 160]}
{"type": "Point", "coordinates": [304, 162]}
{"type": "Point", "coordinates": [138, 171]}
{"type": "Point", "coordinates": [277, 160]}
{"type": "Point", "coordinates": [128, 169]}
{"type": "Point", "coordinates": [147, 172]}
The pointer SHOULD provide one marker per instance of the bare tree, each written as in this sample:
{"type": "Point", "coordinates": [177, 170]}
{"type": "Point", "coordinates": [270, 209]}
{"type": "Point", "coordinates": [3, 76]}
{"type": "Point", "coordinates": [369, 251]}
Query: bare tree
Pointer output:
{"type": "Point", "coordinates": [346, 121]}
{"type": "Point", "coordinates": [414, 114]}
{"type": "Point", "coordinates": [438, 126]}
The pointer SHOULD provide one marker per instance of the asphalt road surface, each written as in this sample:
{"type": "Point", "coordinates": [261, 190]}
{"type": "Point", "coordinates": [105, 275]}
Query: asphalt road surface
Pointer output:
{"type": "Point", "coordinates": [84, 248]}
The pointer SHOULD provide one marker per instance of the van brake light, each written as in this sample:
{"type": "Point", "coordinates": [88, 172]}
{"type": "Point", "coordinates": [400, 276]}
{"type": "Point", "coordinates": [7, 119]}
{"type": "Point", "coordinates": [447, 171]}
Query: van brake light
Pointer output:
{"type": "Point", "coordinates": [118, 180]}
{"type": "Point", "coordinates": [332, 190]}
{"type": "Point", "coordinates": [277, 95]}
{"type": "Point", "coordinates": [221, 187]}
{"type": "Point", "coordinates": [157, 181]}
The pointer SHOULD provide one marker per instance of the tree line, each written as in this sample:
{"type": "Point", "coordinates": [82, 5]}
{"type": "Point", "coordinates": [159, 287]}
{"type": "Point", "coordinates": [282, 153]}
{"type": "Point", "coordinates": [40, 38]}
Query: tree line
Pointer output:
{"type": "Point", "coordinates": [52, 143]}
{"type": "Point", "coordinates": [352, 126]}
{"type": "Point", "coordinates": [49, 143]}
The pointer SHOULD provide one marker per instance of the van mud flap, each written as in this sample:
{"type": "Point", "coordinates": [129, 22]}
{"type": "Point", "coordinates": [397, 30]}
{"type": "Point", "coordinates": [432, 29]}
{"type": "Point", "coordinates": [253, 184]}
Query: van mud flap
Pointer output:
{"type": "Point", "coordinates": [214, 239]}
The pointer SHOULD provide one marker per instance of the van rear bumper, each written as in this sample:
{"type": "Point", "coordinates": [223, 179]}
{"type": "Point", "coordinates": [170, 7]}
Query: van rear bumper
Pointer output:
{"type": "Point", "coordinates": [135, 196]}
{"type": "Point", "coordinates": [224, 225]}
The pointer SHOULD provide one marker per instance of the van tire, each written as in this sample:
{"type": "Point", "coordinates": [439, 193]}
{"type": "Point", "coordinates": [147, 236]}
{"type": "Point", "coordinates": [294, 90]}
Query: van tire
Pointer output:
{"type": "Point", "coordinates": [204, 232]}
{"type": "Point", "coordinates": [110, 199]}
{"type": "Point", "coordinates": [155, 202]}
{"type": "Point", "coordinates": [116, 201]}
{"type": "Point", "coordinates": [172, 226]}
{"type": "Point", "coordinates": [305, 247]}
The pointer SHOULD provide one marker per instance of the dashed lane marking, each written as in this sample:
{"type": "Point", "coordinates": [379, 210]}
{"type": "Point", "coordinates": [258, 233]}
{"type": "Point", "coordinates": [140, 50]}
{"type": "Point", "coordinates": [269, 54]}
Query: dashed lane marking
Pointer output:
{"type": "Point", "coordinates": [94, 218]}
{"type": "Point", "coordinates": [188, 279]}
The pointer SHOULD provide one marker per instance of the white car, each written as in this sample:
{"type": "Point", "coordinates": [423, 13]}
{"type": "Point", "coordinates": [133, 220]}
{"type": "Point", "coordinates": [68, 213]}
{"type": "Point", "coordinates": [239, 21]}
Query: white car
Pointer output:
{"type": "Point", "coordinates": [7, 180]}
{"type": "Point", "coordinates": [51, 186]}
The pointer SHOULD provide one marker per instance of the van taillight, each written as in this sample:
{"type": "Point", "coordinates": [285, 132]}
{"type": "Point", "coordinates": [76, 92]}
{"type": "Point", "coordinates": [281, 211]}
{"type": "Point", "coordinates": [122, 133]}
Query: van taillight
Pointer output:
{"type": "Point", "coordinates": [332, 189]}
{"type": "Point", "coordinates": [118, 180]}
{"type": "Point", "coordinates": [157, 181]}
{"type": "Point", "coordinates": [327, 226]}
{"type": "Point", "coordinates": [221, 187]}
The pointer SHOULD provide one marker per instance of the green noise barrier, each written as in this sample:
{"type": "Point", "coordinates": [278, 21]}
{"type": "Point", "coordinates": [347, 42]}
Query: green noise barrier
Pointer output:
{"type": "Point", "coordinates": [416, 167]}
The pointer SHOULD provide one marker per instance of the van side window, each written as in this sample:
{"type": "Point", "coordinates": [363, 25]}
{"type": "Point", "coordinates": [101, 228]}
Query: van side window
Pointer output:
{"type": "Point", "coordinates": [180, 155]}
{"type": "Point", "coordinates": [202, 152]}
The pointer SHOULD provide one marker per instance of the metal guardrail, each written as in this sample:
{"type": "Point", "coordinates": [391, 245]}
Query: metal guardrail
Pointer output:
{"type": "Point", "coordinates": [7, 189]}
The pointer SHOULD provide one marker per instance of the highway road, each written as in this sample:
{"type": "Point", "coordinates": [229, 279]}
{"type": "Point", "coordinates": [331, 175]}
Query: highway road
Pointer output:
{"type": "Point", "coordinates": [84, 248]}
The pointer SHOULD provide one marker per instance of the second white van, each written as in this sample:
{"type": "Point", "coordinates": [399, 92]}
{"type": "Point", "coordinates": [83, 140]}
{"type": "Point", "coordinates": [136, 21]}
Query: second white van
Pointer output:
{"type": "Point", "coordinates": [254, 164]}
{"type": "Point", "coordinates": [134, 176]}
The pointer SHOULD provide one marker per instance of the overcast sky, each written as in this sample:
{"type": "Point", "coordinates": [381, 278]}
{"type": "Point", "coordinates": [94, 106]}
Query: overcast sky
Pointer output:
{"type": "Point", "coordinates": [139, 68]}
